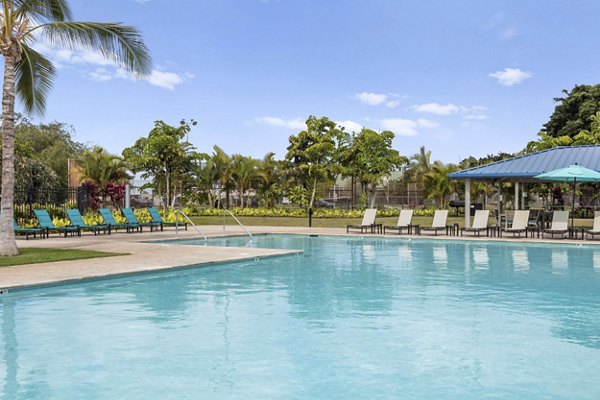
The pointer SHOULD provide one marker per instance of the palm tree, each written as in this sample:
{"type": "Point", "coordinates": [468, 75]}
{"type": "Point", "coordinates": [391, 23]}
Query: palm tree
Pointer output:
{"type": "Point", "coordinates": [419, 166]}
{"type": "Point", "coordinates": [29, 74]}
{"type": "Point", "coordinates": [437, 184]}
{"type": "Point", "coordinates": [221, 163]}
{"type": "Point", "coordinates": [244, 172]}
{"type": "Point", "coordinates": [101, 167]}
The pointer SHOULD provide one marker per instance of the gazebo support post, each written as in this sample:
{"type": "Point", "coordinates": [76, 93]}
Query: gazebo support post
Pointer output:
{"type": "Point", "coordinates": [467, 203]}
{"type": "Point", "coordinates": [516, 195]}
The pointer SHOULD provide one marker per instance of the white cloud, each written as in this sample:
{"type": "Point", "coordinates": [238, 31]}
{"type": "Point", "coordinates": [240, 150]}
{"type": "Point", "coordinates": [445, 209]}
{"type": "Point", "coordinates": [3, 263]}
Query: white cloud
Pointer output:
{"type": "Point", "coordinates": [100, 74]}
{"type": "Point", "coordinates": [296, 124]}
{"type": "Point", "coordinates": [511, 76]}
{"type": "Point", "coordinates": [390, 100]}
{"type": "Point", "coordinates": [427, 123]}
{"type": "Point", "coordinates": [372, 99]}
{"type": "Point", "coordinates": [437, 108]}
{"type": "Point", "coordinates": [165, 80]}
{"type": "Point", "coordinates": [406, 127]}
{"type": "Point", "coordinates": [480, 117]}
{"type": "Point", "coordinates": [350, 126]}
{"type": "Point", "coordinates": [508, 33]}
{"type": "Point", "coordinates": [105, 69]}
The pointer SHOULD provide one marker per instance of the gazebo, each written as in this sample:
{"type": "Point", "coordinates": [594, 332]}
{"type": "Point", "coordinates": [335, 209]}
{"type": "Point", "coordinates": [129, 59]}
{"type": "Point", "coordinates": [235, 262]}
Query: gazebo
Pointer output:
{"type": "Point", "coordinates": [522, 169]}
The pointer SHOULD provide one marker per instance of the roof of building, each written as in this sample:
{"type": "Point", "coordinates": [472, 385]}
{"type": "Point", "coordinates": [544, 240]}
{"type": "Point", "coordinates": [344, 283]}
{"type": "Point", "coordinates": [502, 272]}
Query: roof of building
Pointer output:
{"type": "Point", "coordinates": [527, 166]}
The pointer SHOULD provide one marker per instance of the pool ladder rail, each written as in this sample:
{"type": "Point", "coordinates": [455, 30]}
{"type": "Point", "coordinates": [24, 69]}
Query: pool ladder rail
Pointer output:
{"type": "Point", "coordinates": [190, 222]}
{"type": "Point", "coordinates": [225, 212]}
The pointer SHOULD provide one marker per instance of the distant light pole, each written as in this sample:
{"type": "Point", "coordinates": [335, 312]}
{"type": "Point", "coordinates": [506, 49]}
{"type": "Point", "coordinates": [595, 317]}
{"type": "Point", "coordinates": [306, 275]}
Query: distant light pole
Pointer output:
{"type": "Point", "coordinates": [193, 122]}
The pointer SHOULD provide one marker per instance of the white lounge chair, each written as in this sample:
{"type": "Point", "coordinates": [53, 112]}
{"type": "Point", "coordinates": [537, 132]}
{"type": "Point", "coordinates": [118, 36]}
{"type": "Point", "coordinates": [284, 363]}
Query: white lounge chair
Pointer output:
{"type": "Point", "coordinates": [368, 221]}
{"type": "Point", "coordinates": [519, 223]}
{"type": "Point", "coordinates": [560, 224]}
{"type": "Point", "coordinates": [439, 222]}
{"type": "Point", "coordinates": [480, 223]}
{"type": "Point", "coordinates": [404, 222]}
{"type": "Point", "coordinates": [596, 228]}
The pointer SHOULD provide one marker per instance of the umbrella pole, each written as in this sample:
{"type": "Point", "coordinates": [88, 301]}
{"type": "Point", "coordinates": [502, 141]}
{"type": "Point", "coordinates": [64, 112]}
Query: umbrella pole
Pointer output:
{"type": "Point", "coordinates": [573, 205]}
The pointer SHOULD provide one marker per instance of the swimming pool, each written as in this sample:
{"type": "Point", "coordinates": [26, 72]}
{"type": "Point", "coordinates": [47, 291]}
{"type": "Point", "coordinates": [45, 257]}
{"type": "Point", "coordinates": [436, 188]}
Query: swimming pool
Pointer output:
{"type": "Point", "coordinates": [351, 318]}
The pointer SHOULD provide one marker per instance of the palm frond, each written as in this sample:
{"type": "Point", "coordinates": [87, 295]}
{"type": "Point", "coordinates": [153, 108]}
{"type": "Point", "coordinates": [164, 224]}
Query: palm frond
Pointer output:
{"type": "Point", "coordinates": [117, 42]}
{"type": "Point", "coordinates": [43, 10]}
{"type": "Point", "coordinates": [34, 74]}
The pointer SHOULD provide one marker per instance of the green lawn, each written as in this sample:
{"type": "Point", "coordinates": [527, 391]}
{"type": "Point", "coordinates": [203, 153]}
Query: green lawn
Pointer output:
{"type": "Point", "coordinates": [34, 256]}
{"type": "Point", "coordinates": [336, 222]}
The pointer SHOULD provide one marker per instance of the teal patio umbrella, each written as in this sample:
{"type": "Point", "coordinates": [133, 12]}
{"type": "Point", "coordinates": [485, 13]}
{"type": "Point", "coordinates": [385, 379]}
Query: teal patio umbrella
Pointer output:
{"type": "Point", "coordinates": [573, 173]}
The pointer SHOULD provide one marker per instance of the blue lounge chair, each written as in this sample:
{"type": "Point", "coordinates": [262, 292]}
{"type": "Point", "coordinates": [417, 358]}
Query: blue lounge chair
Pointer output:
{"type": "Point", "coordinates": [109, 219]}
{"type": "Point", "coordinates": [132, 219]}
{"type": "Point", "coordinates": [46, 223]}
{"type": "Point", "coordinates": [28, 231]}
{"type": "Point", "coordinates": [77, 220]}
{"type": "Point", "coordinates": [156, 218]}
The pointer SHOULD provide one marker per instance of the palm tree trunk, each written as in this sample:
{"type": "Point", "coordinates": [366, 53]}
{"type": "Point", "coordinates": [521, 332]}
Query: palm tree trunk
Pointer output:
{"type": "Point", "coordinates": [8, 245]}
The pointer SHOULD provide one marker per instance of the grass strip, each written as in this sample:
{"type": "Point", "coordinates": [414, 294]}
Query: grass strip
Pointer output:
{"type": "Point", "coordinates": [35, 256]}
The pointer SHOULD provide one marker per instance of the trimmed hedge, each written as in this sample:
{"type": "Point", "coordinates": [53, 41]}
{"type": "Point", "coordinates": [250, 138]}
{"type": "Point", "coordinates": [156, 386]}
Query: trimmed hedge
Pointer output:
{"type": "Point", "coordinates": [299, 213]}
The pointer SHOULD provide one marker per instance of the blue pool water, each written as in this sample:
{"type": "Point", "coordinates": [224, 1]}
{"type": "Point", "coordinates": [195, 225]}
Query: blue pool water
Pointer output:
{"type": "Point", "coordinates": [351, 318]}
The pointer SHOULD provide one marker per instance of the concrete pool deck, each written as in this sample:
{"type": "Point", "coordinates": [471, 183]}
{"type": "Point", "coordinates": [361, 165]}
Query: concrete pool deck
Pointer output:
{"type": "Point", "coordinates": [145, 256]}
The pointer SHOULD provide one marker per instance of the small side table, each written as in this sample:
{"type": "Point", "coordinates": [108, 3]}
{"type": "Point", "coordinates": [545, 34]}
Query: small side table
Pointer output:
{"type": "Point", "coordinates": [377, 228]}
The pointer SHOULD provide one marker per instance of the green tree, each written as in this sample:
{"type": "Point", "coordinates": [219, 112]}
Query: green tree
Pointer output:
{"type": "Point", "coordinates": [419, 165]}
{"type": "Point", "coordinates": [28, 74]}
{"type": "Point", "coordinates": [50, 144]}
{"type": "Point", "coordinates": [221, 165]}
{"type": "Point", "coordinates": [437, 184]}
{"type": "Point", "coordinates": [313, 154]}
{"type": "Point", "coordinates": [584, 137]}
{"type": "Point", "coordinates": [369, 157]}
{"type": "Point", "coordinates": [574, 112]}
{"type": "Point", "coordinates": [165, 158]}
{"type": "Point", "coordinates": [245, 172]}
{"type": "Point", "coordinates": [101, 167]}
{"type": "Point", "coordinates": [270, 187]}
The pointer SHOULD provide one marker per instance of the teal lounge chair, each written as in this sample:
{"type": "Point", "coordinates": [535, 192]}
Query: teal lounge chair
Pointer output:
{"type": "Point", "coordinates": [46, 223]}
{"type": "Point", "coordinates": [28, 231]}
{"type": "Point", "coordinates": [109, 219]}
{"type": "Point", "coordinates": [132, 219]}
{"type": "Point", "coordinates": [77, 220]}
{"type": "Point", "coordinates": [156, 218]}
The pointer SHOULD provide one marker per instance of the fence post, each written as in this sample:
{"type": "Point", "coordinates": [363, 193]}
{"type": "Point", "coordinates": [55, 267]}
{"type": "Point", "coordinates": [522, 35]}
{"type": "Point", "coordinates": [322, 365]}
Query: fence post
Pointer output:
{"type": "Point", "coordinates": [127, 196]}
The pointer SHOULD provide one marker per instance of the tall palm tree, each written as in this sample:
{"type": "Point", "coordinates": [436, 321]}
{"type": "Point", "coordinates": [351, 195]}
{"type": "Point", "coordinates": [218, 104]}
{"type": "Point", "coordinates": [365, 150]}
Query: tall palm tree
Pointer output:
{"type": "Point", "coordinates": [437, 184]}
{"type": "Point", "coordinates": [221, 162]}
{"type": "Point", "coordinates": [101, 167]}
{"type": "Point", "coordinates": [245, 172]}
{"type": "Point", "coordinates": [29, 74]}
{"type": "Point", "coordinates": [419, 166]}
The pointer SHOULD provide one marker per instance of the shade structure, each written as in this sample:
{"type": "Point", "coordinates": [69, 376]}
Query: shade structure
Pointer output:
{"type": "Point", "coordinates": [573, 173]}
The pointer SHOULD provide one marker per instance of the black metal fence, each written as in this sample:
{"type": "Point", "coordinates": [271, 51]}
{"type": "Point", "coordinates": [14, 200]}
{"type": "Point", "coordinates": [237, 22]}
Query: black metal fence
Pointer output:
{"type": "Point", "coordinates": [56, 201]}
{"type": "Point", "coordinates": [350, 199]}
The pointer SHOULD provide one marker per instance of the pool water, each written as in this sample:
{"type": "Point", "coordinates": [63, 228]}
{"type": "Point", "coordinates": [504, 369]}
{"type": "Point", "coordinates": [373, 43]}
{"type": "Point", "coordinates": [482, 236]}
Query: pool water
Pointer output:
{"type": "Point", "coordinates": [350, 318]}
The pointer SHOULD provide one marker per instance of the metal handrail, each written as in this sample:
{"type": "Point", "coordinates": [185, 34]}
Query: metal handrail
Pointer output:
{"type": "Point", "coordinates": [191, 223]}
{"type": "Point", "coordinates": [236, 220]}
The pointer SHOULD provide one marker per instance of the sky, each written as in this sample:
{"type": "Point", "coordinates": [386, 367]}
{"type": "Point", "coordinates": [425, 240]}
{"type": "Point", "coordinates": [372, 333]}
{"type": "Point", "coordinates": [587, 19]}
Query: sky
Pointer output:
{"type": "Point", "coordinates": [462, 78]}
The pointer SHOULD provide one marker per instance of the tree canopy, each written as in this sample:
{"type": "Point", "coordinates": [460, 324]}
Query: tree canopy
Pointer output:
{"type": "Point", "coordinates": [369, 157]}
{"type": "Point", "coordinates": [312, 153]}
{"type": "Point", "coordinates": [574, 112]}
{"type": "Point", "coordinates": [165, 158]}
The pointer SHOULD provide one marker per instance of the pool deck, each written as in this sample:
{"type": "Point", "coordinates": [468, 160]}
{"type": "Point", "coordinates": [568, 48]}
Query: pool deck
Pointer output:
{"type": "Point", "coordinates": [145, 256]}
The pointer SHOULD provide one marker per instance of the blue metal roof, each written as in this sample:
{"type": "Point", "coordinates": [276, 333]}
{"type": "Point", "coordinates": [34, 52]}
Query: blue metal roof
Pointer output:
{"type": "Point", "coordinates": [527, 166]}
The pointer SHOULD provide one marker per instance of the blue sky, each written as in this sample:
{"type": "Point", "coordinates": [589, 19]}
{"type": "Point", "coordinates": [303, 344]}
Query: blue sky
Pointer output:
{"type": "Point", "coordinates": [459, 77]}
